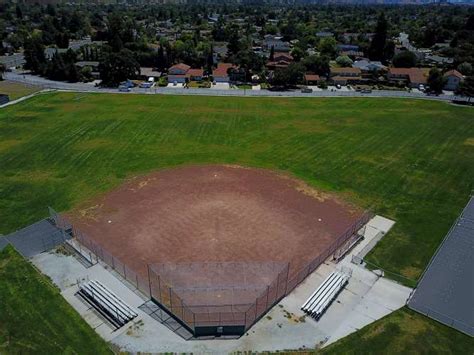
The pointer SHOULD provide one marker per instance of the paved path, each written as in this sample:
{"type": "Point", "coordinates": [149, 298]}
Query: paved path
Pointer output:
{"type": "Point", "coordinates": [87, 87]}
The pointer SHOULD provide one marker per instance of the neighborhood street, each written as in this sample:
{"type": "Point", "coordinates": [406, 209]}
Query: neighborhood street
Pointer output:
{"type": "Point", "coordinates": [89, 87]}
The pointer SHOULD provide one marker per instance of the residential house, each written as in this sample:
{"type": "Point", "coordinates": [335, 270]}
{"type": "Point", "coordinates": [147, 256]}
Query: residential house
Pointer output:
{"type": "Point", "coordinates": [453, 79]}
{"type": "Point", "coordinates": [368, 66]}
{"type": "Point", "coordinates": [324, 34]}
{"type": "Point", "coordinates": [221, 73]}
{"type": "Point", "coordinates": [227, 72]}
{"type": "Point", "coordinates": [345, 75]}
{"type": "Point", "coordinates": [177, 73]}
{"type": "Point", "coordinates": [438, 60]}
{"type": "Point", "coordinates": [311, 79]}
{"type": "Point", "coordinates": [414, 77]}
{"type": "Point", "coordinates": [280, 60]}
{"type": "Point", "coordinates": [93, 65]}
{"type": "Point", "coordinates": [195, 74]}
{"type": "Point", "coordinates": [276, 42]}
{"type": "Point", "coordinates": [147, 72]}
{"type": "Point", "coordinates": [347, 47]}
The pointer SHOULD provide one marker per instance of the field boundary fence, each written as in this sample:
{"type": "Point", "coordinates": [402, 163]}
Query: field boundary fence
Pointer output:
{"type": "Point", "coordinates": [240, 317]}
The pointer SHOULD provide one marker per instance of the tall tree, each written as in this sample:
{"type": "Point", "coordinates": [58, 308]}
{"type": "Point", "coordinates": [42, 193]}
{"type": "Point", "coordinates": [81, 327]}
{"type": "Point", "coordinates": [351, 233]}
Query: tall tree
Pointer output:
{"type": "Point", "coordinates": [405, 59]}
{"type": "Point", "coordinates": [35, 59]}
{"type": "Point", "coordinates": [466, 88]}
{"type": "Point", "coordinates": [436, 81]}
{"type": "Point", "coordinates": [379, 41]}
{"type": "Point", "coordinates": [116, 67]}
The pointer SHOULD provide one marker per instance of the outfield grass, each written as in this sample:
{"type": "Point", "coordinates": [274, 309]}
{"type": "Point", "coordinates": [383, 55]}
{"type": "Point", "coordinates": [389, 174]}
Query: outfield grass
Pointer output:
{"type": "Point", "coordinates": [410, 160]}
{"type": "Point", "coordinates": [34, 317]}
{"type": "Point", "coordinates": [16, 90]}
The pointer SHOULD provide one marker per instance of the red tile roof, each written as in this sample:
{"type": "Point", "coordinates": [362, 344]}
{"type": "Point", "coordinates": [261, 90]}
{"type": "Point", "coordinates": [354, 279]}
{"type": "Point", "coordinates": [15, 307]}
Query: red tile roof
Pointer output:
{"type": "Point", "coordinates": [415, 75]}
{"type": "Point", "coordinates": [180, 66]}
{"type": "Point", "coordinates": [195, 72]}
{"type": "Point", "coordinates": [454, 73]}
{"type": "Point", "coordinates": [345, 70]}
{"type": "Point", "coordinates": [311, 77]}
{"type": "Point", "coordinates": [222, 69]}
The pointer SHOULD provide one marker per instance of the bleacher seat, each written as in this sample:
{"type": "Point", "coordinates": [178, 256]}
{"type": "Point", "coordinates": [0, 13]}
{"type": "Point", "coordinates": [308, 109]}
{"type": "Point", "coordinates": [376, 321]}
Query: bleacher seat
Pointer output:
{"type": "Point", "coordinates": [107, 303]}
{"type": "Point", "coordinates": [325, 294]}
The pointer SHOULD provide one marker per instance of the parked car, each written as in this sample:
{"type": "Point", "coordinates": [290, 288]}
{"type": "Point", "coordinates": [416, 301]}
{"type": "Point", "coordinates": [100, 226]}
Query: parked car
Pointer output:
{"type": "Point", "coordinates": [338, 86]}
{"type": "Point", "coordinates": [127, 83]}
{"type": "Point", "coordinates": [147, 84]}
{"type": "Point", "coordinates": [421, 87]}
{"type": "Point", "coordinates": [124, 88]}
{"type": "Point", "coordinates": [306, 90]}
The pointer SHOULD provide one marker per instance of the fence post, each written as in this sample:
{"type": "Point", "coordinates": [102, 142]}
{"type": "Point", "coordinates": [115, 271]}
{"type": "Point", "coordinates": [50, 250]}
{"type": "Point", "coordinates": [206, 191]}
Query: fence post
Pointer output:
{"type": "Point", "coordinates": [149, 279]}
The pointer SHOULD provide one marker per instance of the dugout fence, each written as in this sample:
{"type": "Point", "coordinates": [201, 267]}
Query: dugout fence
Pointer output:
{"type": "Point", "coordinates": [224, 310]}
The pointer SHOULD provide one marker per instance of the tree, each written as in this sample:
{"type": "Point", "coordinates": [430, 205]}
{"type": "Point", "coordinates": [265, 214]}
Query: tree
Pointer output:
{"type": "Point", "coordinates": [35, 59]}
{"type": "Point", "coordinates": [117, 67]}
{"type": "Point", "coordinates": [317, 64]}
{"type": "Point", "coordinates": [436, 81]}
{"type": "Point", "coordinates": [297, 53]}
{"type": "Point", "coordinates": [466, 88]}
{"type": "Point", "coordinates": [289, 76]}
{"type": "Point", "coordinates": [272, 53]}
{"type": "Point", "coordinates": [233, 45]}
{"type": "Point", "coordinates": [344, 61]}
{"type": "Point", "coordinates": [465, 68]}
{"type": "Point", "coordinates": [2, 70]}
{"type": "Point", "coordinates": [19, 12]}
{"type": "Point", "coordinates": [405, 59]}
{"type": "Point", "coordinates": [379, 41]}
{"type": "Point", "coordinates": [327, 47]}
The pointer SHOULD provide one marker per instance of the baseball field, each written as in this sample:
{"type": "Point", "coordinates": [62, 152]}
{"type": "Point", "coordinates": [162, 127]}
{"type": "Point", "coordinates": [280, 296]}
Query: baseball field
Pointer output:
{"type": "Point", "coordinates": [408, 160]}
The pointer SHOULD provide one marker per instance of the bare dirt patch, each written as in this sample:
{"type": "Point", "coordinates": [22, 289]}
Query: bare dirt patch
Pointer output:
{"type": "Point", "coordinates": [218, 213]}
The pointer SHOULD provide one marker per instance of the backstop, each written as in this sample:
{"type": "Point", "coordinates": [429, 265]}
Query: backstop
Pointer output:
{"type": "Point", "coordinates": [213, 298]}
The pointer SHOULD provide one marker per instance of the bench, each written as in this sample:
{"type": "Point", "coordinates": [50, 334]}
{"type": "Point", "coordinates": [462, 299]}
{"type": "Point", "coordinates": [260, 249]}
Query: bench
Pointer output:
{"type": "Point", "coordinates": [325, 294]}
{"type": "Point", "coordinates": [106, 303]}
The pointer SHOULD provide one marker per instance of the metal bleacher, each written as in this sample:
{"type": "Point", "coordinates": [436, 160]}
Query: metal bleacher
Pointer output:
{"type": "Point", "coordinates": [325, 294]}
{"type": "Point", "coordinates": [106, 303]}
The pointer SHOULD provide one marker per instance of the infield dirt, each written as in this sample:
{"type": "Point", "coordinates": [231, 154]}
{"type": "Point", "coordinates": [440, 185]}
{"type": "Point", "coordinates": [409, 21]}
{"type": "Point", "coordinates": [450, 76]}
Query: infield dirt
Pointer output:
{"type": "Point", "coordinates": [213, 214]}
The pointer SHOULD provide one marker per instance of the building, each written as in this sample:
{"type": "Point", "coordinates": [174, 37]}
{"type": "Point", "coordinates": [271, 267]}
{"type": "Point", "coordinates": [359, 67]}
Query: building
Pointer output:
{"type": "Point", "coordinates": [92, 65]}
{"type": "Point", "coordinates": [311, 79]}
{"type": "Point", "coordinates": [368, 66]}
{"type": "Point", "coordinates": [277, 43]}
{"type": "Point", "coordinates": [228, 72]}
{"type": "Point", "coordinates": [324, 34]}
{"type": "Point", "coordinates": [221, 73]}
{"type": "Point", "coordinates": [453, 79]}
{"type": "Point", "coordinates": [177, 73]}
{"type": "Point", "coordinates": [413, 77]}
{"type": "Point", "coordinates": [280, 60]}
{"type": "Point", "coordinates": [195, 74]}
{"type": "Point", "coordinates": [345, 75]}
{"type": "Point", "coordinates": [147, 72]}
{"type": "Point", "coordinates": [347, 48]}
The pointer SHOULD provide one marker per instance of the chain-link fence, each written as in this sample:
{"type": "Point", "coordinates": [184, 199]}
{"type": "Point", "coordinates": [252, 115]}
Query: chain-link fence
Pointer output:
{"type": "Point", "coordinates": [204, 309]}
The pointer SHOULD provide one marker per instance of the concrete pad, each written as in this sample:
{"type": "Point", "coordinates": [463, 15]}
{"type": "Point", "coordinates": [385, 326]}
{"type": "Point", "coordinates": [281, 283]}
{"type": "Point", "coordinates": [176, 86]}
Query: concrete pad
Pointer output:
{"type": "Point", "coordinates": [367, 297]}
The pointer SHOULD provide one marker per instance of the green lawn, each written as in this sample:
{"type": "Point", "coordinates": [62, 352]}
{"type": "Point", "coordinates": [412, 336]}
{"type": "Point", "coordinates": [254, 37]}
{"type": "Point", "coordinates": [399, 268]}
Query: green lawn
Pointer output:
{"type": "Point", "coordinates": [34, 317]}
{"type": "Point", "coordinates": [403, 332]}
{"type": "Point", "coordinates": [410, 160]}
{"type": "Point", "coordinates": [16, 90]}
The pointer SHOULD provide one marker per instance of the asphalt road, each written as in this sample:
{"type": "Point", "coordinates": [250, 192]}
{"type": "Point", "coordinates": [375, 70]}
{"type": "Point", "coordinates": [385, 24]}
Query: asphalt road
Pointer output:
{"type": "Point", "coordinates": [87, 87]}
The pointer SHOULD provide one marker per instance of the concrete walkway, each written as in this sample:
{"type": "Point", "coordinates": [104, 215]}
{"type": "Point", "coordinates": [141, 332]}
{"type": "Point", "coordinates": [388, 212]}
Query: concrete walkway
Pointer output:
{"type": "Point", "coordinates": [366, 298]}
